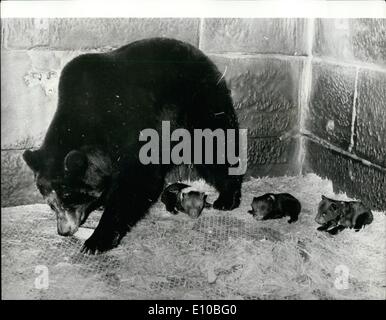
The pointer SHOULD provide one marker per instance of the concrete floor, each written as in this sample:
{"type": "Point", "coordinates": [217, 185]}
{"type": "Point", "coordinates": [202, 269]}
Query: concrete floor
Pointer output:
{"type": "Point", "coordinates": [221, 255]}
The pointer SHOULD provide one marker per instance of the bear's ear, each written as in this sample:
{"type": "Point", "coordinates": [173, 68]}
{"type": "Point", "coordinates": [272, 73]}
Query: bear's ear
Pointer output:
{"type": "Point", "coordinates": [32, 159]}
{"type": "Point", "coordinates": [75, 162]}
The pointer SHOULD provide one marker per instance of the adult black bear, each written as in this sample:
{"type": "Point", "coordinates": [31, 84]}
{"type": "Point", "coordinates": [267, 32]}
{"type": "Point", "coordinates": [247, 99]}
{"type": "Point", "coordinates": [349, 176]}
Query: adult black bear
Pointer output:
{"type": "Point", "coordinates": [90, 154]}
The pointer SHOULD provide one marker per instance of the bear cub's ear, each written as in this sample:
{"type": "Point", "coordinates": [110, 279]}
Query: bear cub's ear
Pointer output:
{"type": "Point", "coordinates": [32, 159]}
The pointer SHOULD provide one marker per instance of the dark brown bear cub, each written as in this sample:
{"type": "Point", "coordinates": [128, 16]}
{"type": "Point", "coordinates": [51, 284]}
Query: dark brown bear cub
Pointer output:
{"type": "Point", "coordinates": [275, 206]}
{"type": "Point", "coordinates": [335, 216]}
{"type": "Point", "coordinates": [180, 197]}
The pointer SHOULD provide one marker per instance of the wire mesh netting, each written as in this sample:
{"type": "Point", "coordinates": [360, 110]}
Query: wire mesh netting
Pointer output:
{"type": "Point", "coordinates": [221, 255]}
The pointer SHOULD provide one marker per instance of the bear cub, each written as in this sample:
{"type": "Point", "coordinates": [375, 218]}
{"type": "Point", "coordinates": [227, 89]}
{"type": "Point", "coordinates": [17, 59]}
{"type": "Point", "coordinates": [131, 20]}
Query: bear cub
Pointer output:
{"type": "Point", "coordinates": [181, 197]}
{"type": "Point", "coordinates": [334, 216]}
{"type": "Point", "coordinates": [275, 206]}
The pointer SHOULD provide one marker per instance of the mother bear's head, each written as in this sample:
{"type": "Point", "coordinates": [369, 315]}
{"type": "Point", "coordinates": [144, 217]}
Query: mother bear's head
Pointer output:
{"type": "Point", "coordinates": [73, 184]}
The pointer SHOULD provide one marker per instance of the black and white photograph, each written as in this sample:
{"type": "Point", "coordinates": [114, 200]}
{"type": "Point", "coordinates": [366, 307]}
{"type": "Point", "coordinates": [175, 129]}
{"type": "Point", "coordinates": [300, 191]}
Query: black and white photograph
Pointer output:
{"type": "Point", "coordinates": [209, 150]}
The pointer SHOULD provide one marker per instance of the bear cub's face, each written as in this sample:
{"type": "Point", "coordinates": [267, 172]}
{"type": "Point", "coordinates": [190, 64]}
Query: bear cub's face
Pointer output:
{"type": "Point", "coordinates": [71, 185]}
{"type": "Point", "coordinates": [261, 206]}
{"type": "Point", "coordinates": [193, 202]}
{"type": "Point", "coordinates": [328, 210]}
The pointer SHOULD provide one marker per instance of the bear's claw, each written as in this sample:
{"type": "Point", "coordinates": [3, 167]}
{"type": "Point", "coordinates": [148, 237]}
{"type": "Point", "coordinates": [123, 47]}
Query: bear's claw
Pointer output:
{"type": "Point", "coordinates": [99, 244]}
{"type": "Point", "coordinates": [226, 203]}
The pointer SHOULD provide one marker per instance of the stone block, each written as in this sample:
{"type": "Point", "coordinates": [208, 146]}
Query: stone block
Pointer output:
{"type": "Point", "coordinates": [94, 33]}
{"type": "Point", "coordinates": [17, 181]}
{"type": "Point", "coordinates": [264, 91]}
{"type": "Point", "coordinates": [29, 92]}
{"type": "Point", "coordinates": [272, 157]}
{"type": "Point", "coordinates": [352, 177]}
{"type": "Point", "coordinates": [351, 39]}
{"type": "Point", "coordinates": [371, 117]}
{"type": "Point", "coordinates": [282, 36]}
{"type": "Point", "coordinates": [331, 103]}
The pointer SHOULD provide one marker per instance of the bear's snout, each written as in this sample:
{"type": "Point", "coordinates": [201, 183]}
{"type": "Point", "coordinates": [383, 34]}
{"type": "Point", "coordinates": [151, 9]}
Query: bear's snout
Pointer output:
{"type": "Point", "coordinates": [319, 219]}
{"type": "Point", "coordinates": [194, 213]}
{"type": "Point", "coordinates": [67, 227]}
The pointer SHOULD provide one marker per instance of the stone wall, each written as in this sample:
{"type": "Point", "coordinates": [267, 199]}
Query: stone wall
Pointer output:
{"type": "Point", "coordinates": [33, 53]}
{"type": "Point", "coordinates": [344, 125]}
{"type": "Point", "coordinates": [297, 85]}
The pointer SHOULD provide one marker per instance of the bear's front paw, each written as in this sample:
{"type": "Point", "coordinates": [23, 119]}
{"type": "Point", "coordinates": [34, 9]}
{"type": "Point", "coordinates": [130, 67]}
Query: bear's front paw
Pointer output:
{"type": "Point", "coordinates": [99, 243]}
{"type": "Point", "coordinates": [292, 220]}
{"type": "Point", "coordinates": [335, 231]}
{"type": "Point", "coordinates": [226, 203]}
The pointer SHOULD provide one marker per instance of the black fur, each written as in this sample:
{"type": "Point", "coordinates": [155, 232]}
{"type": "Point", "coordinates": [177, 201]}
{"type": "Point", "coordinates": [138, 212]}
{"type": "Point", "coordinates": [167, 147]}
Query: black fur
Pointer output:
{"type": "Point", "coordinates": [335, 215]}
{"type": "Point", "coordinates": [170, 196]}
{"type": "Point", "coordinates": [191, 202]}
{"type": "Point", "coordinates": [105, 100]}
{"type": "Point", "coordinates": [275, 206]}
